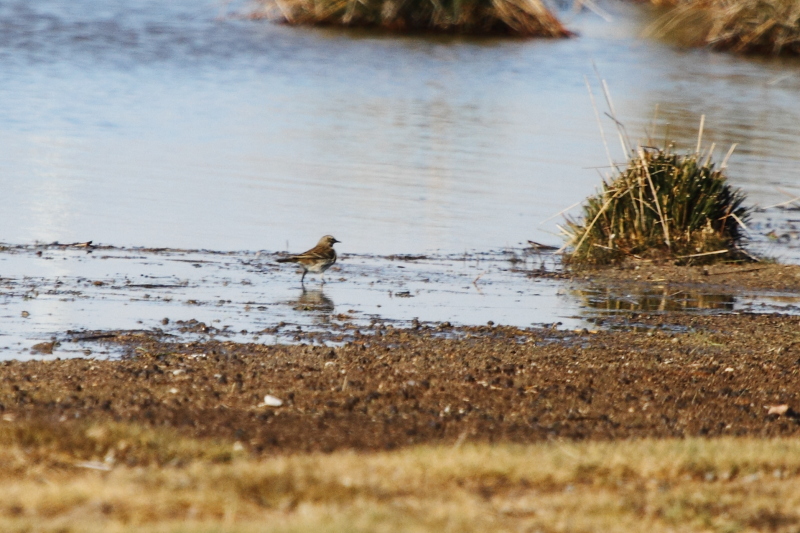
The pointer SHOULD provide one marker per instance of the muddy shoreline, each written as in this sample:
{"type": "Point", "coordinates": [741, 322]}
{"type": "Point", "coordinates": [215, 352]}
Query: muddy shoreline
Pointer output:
{"type": "Point", "coordinates": [767, 277]}
{"type": "Point", "coordinates": [671, 356]}
{"type": "Point", "coordinates": [659, 376]}
{"type": "Point", "coordinates": [55, 294]}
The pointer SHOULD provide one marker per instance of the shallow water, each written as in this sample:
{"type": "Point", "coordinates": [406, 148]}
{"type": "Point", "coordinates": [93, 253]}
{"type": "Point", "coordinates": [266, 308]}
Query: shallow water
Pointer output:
{"type": "Point", "coordinates": [182, 125]}
{"type": "Point", "coordinates": [64, 294]}
{"type": "Point", "coordinates": [54, 294]}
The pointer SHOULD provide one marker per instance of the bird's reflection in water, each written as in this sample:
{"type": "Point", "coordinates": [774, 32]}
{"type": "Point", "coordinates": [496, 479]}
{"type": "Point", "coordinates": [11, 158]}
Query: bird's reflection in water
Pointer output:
{"type": "Point", "coordinates": [313, 300]}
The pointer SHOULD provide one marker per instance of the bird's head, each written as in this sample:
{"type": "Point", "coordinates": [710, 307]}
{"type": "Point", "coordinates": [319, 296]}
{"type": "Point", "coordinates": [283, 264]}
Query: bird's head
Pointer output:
{"type": "Point", "coordinates": [328, 240]}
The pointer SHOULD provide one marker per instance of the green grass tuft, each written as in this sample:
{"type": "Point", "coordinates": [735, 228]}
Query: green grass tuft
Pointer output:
{"type": "Point", "coordinates": [662, 206]}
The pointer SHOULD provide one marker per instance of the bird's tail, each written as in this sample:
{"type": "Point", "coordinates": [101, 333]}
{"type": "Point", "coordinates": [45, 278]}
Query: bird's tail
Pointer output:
{"type": "Point", "coordinates": [290, 259]}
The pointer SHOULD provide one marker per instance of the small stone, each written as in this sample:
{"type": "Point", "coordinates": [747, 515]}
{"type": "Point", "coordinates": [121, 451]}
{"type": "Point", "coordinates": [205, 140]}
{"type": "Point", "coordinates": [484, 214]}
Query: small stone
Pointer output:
{"type": "Point", "coordinates": [272, 401]}
{"type": "Point", "coordinates": [25, 314]}
{"type": "Point", "coordinates": [778, 409]}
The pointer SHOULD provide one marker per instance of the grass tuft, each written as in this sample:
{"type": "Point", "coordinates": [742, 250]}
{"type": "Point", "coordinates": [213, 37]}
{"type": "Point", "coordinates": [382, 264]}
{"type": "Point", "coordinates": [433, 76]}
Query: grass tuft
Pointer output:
{"type": "Point", "coordinates": [663, 206]}
{"type": "Point", "coordinates": [742, 26]}
{"type": "Point", "coordinates": [528, 18]}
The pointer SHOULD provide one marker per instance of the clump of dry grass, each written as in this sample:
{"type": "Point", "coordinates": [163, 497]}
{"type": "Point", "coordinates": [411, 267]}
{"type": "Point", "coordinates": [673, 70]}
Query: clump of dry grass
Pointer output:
{"type": "Point", "coordinates": [663, 206]}
{"type": "Point", "coordinates": [744, 26]}
{"type": "Point", "coordinates": [529, 18]}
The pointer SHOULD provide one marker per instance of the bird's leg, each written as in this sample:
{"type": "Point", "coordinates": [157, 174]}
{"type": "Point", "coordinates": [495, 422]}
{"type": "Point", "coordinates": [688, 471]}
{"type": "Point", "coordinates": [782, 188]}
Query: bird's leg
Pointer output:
{"type": "Point", "coordinates": [303, 276]}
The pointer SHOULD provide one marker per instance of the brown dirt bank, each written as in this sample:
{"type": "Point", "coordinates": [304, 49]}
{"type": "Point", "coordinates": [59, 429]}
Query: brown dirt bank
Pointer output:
{"type": "Point", "coordinates": [729, 277]}
{"type": "Point", "coordinates": [716, 376]}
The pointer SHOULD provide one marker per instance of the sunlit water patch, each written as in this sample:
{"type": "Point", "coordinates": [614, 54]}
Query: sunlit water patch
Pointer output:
{"type": "Point", "coordinates": [179, 124]}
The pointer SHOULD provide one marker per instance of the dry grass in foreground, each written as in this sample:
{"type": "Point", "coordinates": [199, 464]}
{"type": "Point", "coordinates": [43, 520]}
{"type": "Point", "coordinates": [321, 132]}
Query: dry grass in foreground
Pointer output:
{"type": "Point", "coordinates": [526, 18]}
{"type": "Point", "coordinates": [743, 26]}
{"type": "Point", "coordinates": [726, 484]}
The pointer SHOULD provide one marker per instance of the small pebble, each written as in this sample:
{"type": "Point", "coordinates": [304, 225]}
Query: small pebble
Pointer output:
{"type": "Point", "coordinates": [272, 401]}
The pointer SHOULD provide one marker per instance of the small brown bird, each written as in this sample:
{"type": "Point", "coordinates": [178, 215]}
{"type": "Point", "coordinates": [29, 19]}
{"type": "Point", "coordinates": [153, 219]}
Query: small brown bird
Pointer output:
{"type": "Point", "coordinates": [316, 260]}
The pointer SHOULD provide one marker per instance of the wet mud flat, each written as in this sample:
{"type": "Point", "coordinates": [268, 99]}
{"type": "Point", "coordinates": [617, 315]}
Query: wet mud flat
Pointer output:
{"type": "Point", "coordinates": [228, 346]}
{"type": "Point", "coordinates": [49, 290]}
{"type": "Point", "coordinates": [667, 288]}
{"type": "Point", "coordinates": [53, 297]}
{"type": "Point", "coordinates": [670, 376]}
